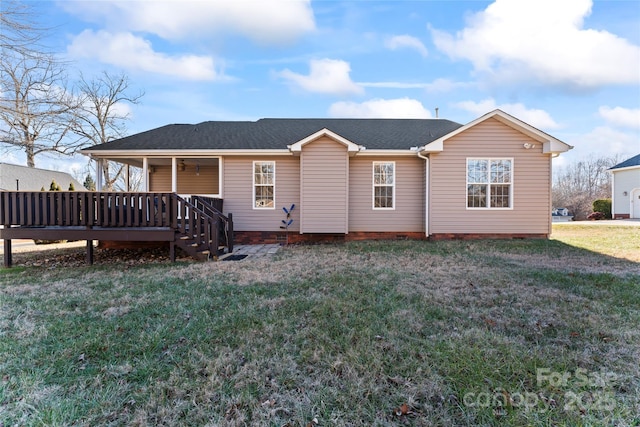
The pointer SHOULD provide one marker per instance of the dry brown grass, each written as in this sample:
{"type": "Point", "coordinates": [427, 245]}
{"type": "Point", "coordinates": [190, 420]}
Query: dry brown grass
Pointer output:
{"type": "Point", "coordinates": [341, 333]}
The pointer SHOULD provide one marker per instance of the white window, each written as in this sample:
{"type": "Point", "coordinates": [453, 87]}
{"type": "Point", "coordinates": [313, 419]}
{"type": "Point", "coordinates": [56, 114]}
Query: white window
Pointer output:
{"type": "Point", "coordinates": [264, 185]}
{"type": "Point", "coordinates": [384, 185]}
{"type": "Point", "coordinates": [489, 183]}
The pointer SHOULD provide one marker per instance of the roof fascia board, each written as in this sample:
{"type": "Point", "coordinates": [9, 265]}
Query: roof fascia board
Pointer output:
{"type": "Point", "coordinates": [388, 152]}
{"type": "Point", "coordinates": [626, 168]}
{"type": "Point", "coordinates": [183, 153]}
{"type": "Point", "coordinates": [351, 147]}
{"type": "Point", "coordinates": [433, 147]}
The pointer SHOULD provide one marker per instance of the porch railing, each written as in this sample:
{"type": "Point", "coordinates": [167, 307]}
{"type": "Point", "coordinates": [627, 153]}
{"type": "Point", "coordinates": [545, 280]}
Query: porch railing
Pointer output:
{"type": "Point", "coordinates": [87, 208]}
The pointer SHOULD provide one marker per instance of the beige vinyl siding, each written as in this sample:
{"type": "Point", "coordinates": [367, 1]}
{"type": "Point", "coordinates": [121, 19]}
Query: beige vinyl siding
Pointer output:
{"type": "Point", "coordinates": [624, 181]}
{"type": "Point", "coordinates": [408, 212]}
{"type": "Point", "coordinates": [238, 193]}
{"type": "Point", "coordinates": [188, 181]}
{"type": "Point", "coordinates": [324, 177]}
{"type": "Point", "coordinates": [531, 183]}
{"type": "Point", "coordinates": [160, 179]}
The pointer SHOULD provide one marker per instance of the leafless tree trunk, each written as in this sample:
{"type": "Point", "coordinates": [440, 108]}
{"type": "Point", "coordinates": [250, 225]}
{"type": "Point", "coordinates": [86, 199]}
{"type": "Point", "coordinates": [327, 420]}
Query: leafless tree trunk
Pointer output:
{"type": "Point", "coordinates": [102, 116]}
{"type": "Point", "coordinates": [35, 107]}
{"type": "Point", "coordinates": [576, 186]}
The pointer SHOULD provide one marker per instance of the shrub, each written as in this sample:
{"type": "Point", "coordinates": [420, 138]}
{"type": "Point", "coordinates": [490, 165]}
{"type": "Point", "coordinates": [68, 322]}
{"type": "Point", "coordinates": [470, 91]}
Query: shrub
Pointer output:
{"type": "Point", "coordinates": [604, 206]}
{"type": "Point", "coordinates": [596, 216]}
{"type": "Point", "coordinates": [71, 187]}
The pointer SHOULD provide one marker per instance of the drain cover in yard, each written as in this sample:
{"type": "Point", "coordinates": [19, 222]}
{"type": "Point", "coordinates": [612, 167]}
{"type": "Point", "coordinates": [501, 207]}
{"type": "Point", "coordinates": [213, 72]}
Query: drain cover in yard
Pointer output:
{"type": "Point", "coordinates": [235, 257]}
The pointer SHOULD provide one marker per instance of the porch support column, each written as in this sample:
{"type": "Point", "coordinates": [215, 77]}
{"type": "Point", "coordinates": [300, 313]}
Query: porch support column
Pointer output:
{"type": "Point", "coordinates": [127, 177]}
{"type": "Point", "coordinates": [145, 173]}
{"type": "Point", "coordinates": [174, 175]}
{"type": "Point", "coordinates": [99, 174]}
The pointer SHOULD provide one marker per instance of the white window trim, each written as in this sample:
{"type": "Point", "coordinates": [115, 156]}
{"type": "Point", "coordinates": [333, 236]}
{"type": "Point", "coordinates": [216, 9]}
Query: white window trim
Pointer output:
{"type": "Point", "coordinates": [373, 186]}
{"type": "Point", "coordinates": [466, 191]}
{"type": "Point", "coordinates": [253, 185]}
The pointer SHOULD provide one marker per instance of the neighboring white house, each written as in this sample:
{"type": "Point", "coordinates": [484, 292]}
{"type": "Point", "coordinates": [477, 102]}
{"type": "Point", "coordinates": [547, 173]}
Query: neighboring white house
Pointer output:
{"type": "Point", "coordinates": [625, 191]}
{"type": "Point", "coordinates": [22, 178]}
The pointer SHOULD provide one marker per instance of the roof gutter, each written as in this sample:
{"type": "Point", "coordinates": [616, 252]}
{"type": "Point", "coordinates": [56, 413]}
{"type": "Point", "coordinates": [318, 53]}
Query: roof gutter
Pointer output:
{"type": "Point", "coordinates": [182, 153]}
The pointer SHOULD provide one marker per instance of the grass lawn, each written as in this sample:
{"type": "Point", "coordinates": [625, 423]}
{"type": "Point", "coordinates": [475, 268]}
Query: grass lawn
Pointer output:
{"type": "Point", "coordinates": [522, 332]}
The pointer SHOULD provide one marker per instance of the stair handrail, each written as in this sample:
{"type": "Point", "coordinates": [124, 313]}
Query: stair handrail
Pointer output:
{"type": "Point", "coordinates": [227, 221]}
{"type": "Point", "coordinates": [210, 231]}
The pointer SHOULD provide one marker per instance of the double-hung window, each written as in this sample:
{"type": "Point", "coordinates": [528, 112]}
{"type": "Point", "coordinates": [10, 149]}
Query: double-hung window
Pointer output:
{"type": "Point", "coordinates": [489, 183]}
{"type": "Point", "coordinates": [264, 185]}
{"type": "Point", "coordinates": [384, 183]}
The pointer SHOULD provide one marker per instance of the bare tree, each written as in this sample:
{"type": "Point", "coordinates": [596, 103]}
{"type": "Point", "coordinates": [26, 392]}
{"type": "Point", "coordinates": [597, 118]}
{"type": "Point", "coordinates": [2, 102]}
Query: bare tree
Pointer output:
{"type": "Point", "coordinates": [36, 110]}
{"type": "Point", "coordinates": [102, 116]}
{"type": "Point", "coordinates": [576, 186]}
{"type": "Point", "coordinates": [19, 33]}
{"type": "Point", "coordinates": [35, 107]}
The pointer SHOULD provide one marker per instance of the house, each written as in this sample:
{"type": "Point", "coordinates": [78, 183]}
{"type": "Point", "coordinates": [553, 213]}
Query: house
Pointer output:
{"type": "Point", "coordinates": [625, 191]}
{"type": "Point", "coordinates": [355, 178]}
{"type": "Point", "coordinates": [22, 178]}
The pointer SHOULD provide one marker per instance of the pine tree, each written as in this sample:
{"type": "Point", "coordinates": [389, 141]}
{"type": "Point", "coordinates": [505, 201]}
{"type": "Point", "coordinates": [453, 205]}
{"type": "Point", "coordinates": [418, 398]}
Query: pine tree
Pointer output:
{"type": "Point", "coordinates": [89, 183]}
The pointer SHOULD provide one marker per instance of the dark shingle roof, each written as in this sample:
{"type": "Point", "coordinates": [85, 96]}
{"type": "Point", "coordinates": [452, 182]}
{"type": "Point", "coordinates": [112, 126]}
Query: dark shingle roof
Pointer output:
{"type": "Point", "coordinates": [398, 134]}
{"type": "Point", "coordinates": [634, 161]}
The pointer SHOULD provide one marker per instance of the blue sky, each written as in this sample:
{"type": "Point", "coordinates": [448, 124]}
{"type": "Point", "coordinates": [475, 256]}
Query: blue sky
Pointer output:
{"type": "Point", "coordinates": [570, 67]}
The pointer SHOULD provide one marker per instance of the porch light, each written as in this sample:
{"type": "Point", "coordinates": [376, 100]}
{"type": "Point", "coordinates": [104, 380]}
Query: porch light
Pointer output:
{"type": "Point", "coordinates": [198, 169]}
{"type": "Point", "coordinates": [182, 166]}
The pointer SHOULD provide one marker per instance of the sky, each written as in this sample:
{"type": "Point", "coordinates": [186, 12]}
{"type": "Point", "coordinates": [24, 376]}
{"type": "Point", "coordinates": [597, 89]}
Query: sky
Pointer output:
{"type": "Point", "coordinates": [570, 68]}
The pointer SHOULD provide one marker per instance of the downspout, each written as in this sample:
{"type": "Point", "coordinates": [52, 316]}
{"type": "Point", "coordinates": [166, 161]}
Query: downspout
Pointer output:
{"type": "Point", "coordinates": [427, 191]}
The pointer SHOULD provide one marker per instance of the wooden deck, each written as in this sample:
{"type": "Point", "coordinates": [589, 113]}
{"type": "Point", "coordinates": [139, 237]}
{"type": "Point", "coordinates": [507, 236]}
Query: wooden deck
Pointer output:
{"type": "Point", "coordinates": [195, 224]}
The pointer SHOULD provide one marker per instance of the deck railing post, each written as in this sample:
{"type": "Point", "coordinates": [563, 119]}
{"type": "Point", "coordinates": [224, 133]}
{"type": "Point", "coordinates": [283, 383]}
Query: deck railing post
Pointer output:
{"type": "Point", "coordinates": [230, 233]}
{"type": "Point", "coordinates": [7, 253]}
{"type": "Point", "coordinates": [213, 232]}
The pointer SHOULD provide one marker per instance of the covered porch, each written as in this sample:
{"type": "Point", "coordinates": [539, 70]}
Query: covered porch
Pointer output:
{"type": "Point", "coordinates": [183, 175]}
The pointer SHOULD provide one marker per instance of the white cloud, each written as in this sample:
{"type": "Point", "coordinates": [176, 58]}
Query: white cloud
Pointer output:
{"type": "Point", "coordinates": [438, 85]}
{"type": "Point", "coordinates": [330, 76]}
{"type": "Point", "coordinates": [537, 118]}
{"type": "Point", "coordinates": [406, 41]}
{"type": "Point", "coordinates": [542, 41]}
{"type": "Point", "coordinates": [621, 117]}
{"type": "Point", "coordinates": [264, 21]}
{"type": "Point", "coordinates": [134, 53]}
{"type": "Point", "coordinates": [402, 108]}
{"type": "Point", "coordinates": [606, 142]}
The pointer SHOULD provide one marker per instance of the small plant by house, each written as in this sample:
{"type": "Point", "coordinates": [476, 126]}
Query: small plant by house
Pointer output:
{"type": "Point", "coordinates": [597, 216]}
